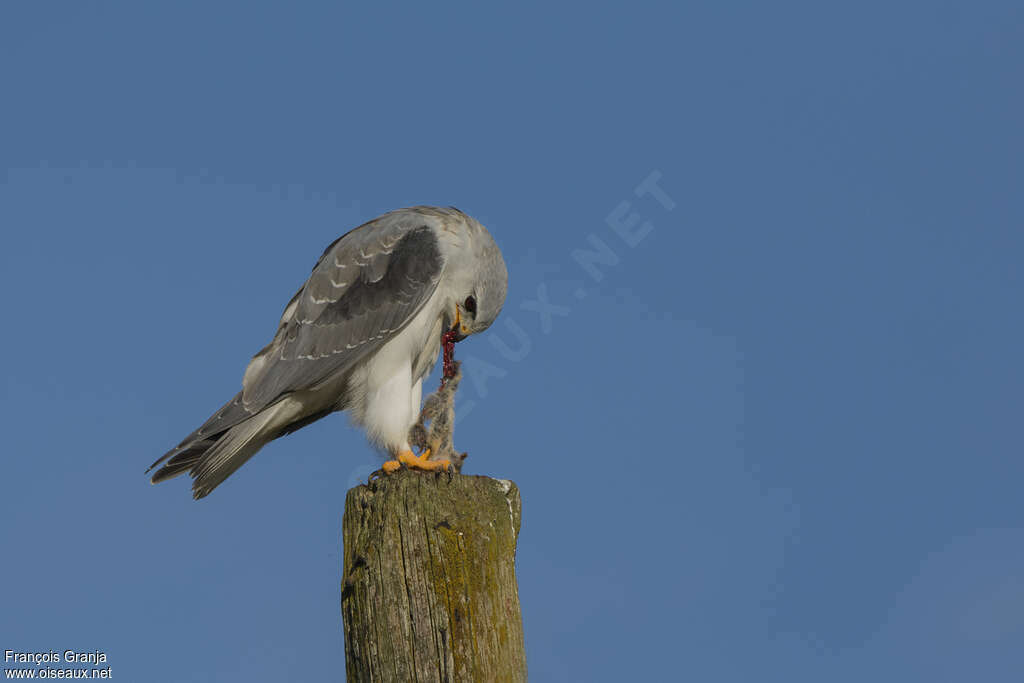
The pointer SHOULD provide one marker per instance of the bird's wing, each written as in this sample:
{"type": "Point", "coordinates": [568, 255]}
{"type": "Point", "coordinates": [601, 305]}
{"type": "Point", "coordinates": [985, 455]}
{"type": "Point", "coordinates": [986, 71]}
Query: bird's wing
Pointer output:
{"type": "Point", "coordinates": [365, 289]}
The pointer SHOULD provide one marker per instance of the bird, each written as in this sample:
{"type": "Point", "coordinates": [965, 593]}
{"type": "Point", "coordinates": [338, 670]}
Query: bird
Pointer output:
{"type": "Point", "coordinates": [360, 336]}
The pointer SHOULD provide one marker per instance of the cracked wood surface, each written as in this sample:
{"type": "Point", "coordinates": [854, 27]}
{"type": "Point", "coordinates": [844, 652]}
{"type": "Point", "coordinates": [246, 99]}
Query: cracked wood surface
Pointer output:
{"type": "Point", "coordinates": [429, 590]}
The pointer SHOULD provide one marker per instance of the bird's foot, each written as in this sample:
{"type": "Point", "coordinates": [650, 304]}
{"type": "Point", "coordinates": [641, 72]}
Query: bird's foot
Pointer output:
{"type": "Point", "coordinates": [416, 462]}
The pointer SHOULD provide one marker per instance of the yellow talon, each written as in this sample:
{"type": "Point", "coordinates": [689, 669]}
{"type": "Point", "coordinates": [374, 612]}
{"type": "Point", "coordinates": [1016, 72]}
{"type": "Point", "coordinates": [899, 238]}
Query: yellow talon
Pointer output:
{"type": "Point", "coordinates": [391, 466]}
{"type": "Point", "coordinates": [420, 462]}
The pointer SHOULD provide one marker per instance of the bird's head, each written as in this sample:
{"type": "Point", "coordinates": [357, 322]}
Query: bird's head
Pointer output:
{"type": "Point", "coordinates": [480, 295]}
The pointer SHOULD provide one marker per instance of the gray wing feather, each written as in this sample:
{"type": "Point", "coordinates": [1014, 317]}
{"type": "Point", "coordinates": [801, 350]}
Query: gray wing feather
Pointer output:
{"type": "Point", "coordinates": [365, 288]}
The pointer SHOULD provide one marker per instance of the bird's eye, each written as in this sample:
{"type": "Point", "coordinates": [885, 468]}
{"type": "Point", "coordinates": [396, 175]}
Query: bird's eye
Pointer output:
{"type": "Point", "coordinates": [470, 305]}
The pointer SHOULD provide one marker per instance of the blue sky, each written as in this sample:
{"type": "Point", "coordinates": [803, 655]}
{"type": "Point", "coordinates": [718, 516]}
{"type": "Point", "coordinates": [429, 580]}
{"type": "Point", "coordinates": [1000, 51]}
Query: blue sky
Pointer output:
{"type": "Point", "coordinates": [779, 439]}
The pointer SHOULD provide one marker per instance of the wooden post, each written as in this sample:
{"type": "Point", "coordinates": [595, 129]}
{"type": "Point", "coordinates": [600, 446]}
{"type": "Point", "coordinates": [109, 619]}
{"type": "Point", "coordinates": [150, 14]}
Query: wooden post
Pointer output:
{"type": "Point", "coordinates": [429, 590]}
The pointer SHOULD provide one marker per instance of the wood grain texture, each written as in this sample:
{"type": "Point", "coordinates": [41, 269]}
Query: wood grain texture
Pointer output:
{"type": "Point", "coordinates": [429, 590]}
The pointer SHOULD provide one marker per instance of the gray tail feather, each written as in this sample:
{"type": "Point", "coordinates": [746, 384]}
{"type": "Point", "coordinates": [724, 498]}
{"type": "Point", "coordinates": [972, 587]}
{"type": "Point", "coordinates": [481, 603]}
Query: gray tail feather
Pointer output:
{"type": "Point", "coordinates": [212, 460]}
{"type": "Point", "coordinates": [231, 413]}
{"type": "Point", "coordinates": [230, 452]}
{"type": "Point", "coordinates": [180, 459]}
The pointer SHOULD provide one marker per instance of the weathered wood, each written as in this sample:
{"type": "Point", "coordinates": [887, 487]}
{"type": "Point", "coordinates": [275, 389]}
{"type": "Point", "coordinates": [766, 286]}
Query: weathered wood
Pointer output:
{"type": "Point", "coordinates": [429, 590]}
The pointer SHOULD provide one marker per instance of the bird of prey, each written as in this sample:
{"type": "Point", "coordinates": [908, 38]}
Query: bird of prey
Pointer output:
{"type": "Point", "coordinates": [360, 335]}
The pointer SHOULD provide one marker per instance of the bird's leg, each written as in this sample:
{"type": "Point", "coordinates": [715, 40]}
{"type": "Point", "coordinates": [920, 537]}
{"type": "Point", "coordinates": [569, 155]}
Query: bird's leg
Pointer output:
{"type": "Point", "coordinates": [407, 457]}
{"type": "Point", "coordinates": [415, 462]}
{"type": "Point", "coordinates": [420, 462]}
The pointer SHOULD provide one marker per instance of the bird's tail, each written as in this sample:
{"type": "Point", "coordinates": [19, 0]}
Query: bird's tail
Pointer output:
{"type": "Point", "coordinates": [182, 459]}
{"type": "Point", "coordinates": [213, 460]}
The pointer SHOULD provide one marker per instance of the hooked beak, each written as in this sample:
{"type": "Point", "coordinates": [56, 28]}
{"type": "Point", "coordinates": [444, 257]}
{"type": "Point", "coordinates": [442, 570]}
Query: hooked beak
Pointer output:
{"type": "Point", "coordinates": [459, 329]}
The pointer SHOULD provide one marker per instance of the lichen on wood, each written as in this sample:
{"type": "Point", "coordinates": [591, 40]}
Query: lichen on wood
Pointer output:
{"type": "Point", "coordinates": [429, 589]}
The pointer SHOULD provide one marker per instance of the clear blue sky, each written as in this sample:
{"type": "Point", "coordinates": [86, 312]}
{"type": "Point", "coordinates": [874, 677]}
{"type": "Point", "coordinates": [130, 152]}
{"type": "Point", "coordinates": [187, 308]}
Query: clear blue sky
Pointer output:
{"type": "Point", "coordinates": [778, 440]}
